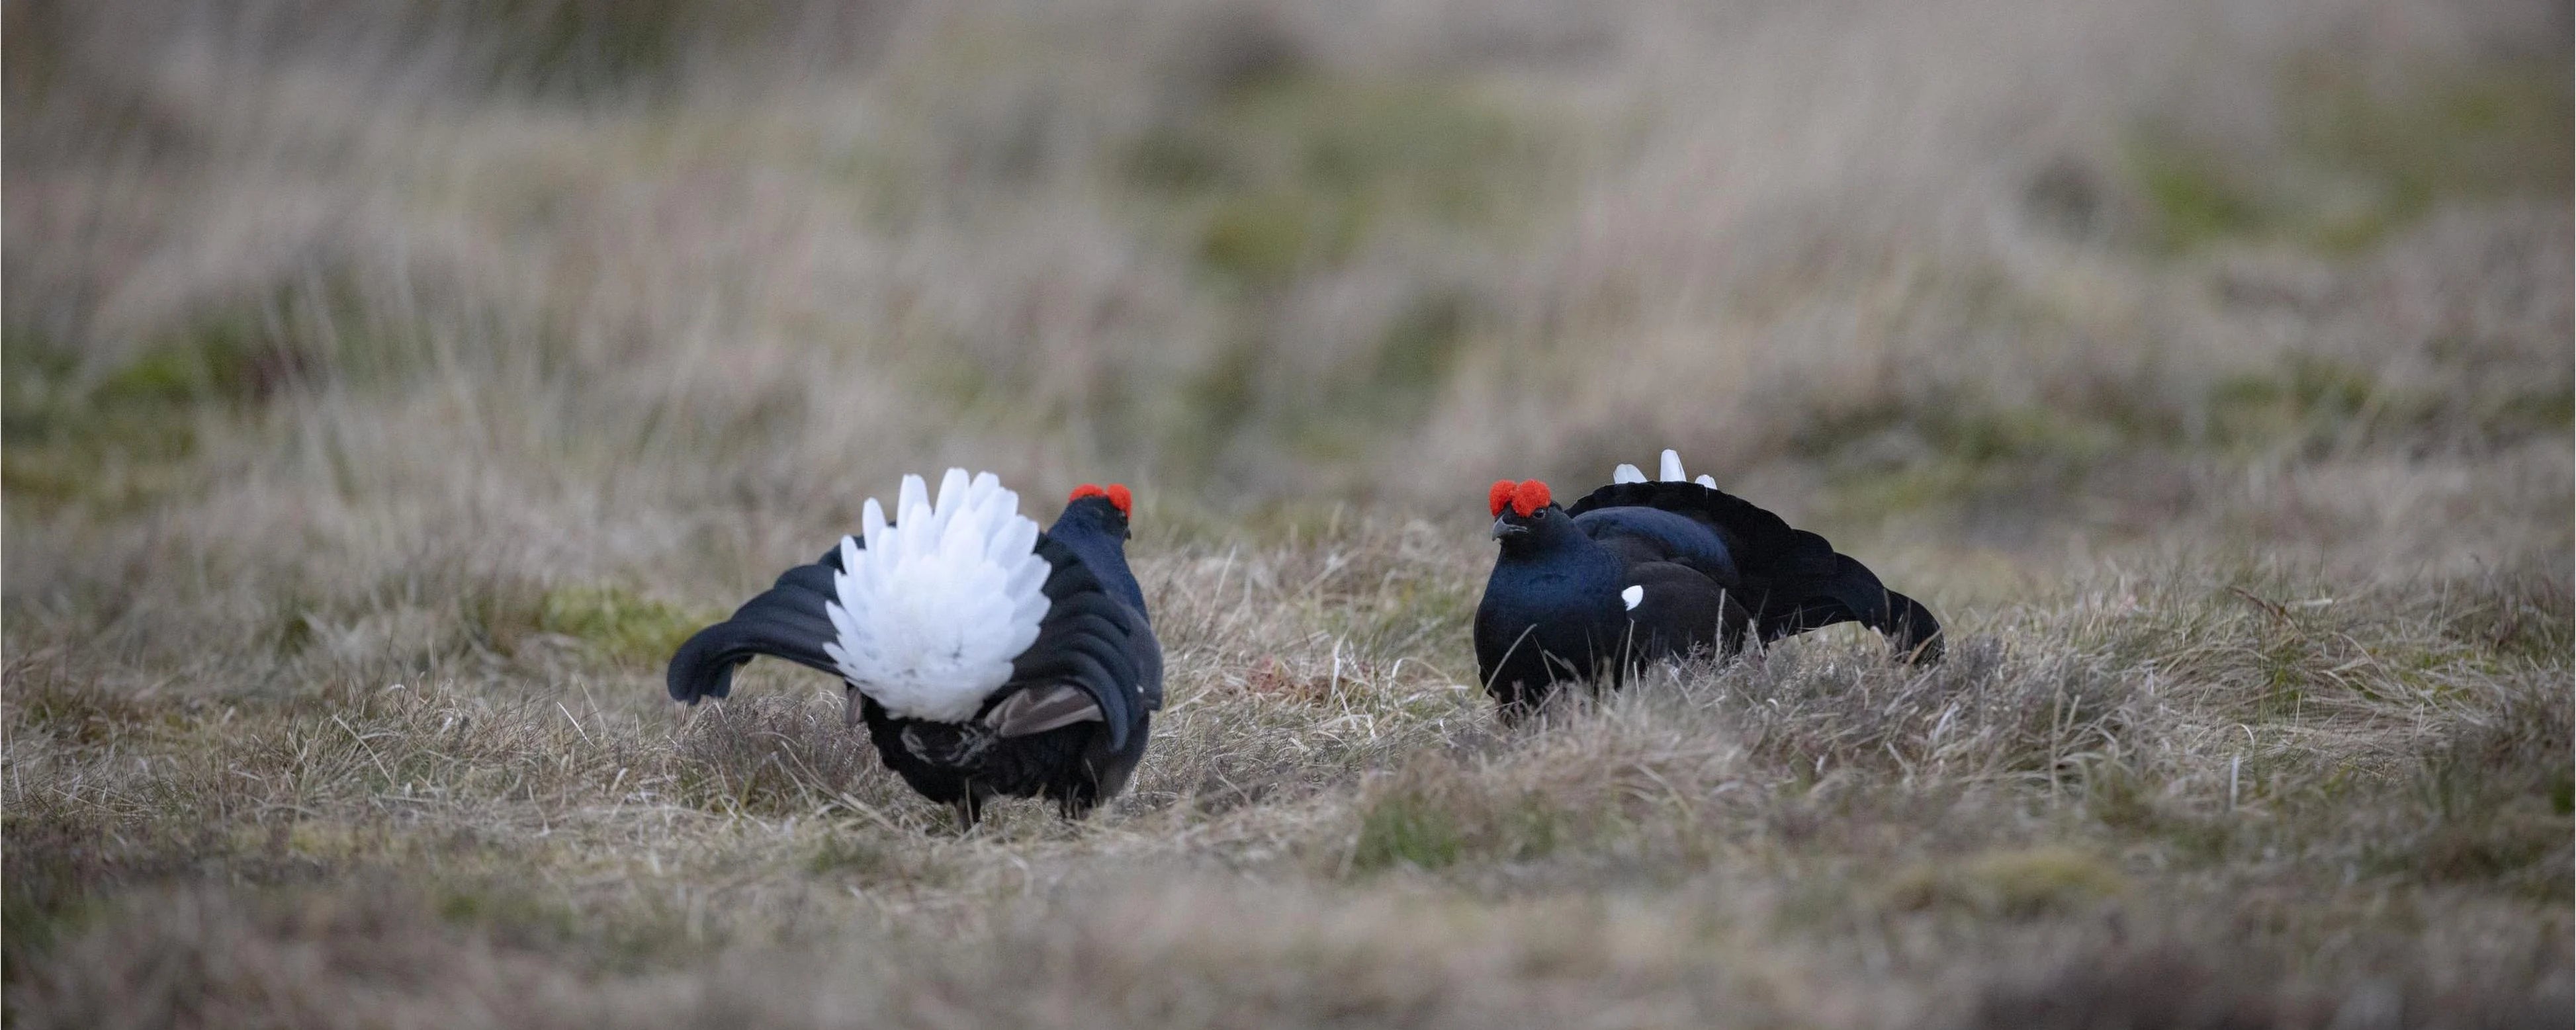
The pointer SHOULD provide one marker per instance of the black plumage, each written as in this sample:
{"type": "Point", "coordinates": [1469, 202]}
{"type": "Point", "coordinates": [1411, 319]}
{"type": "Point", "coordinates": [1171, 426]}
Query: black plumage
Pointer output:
{"type": "Point", "coordinates": [1642, 571]}
{"type": "Point", "coordinates": [1071, 722]}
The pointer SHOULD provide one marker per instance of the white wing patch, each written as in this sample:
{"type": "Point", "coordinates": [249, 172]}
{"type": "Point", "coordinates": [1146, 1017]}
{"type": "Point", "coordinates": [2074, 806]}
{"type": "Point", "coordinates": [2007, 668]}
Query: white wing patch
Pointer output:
{"type": "Point", "coordinates": [931, 612]}
{"type": "Point", "coordinates": [1633, 596]}
{"type": "Point", "coordinates": [1627, 473]}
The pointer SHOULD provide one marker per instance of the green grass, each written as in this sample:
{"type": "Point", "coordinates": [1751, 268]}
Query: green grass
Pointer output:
{"type": "Point", "coordinates": [617, 624]}
{"type": "Point", "coordinates": [121, 441]}
{"type": "Point", "coordinates": [1295, 171]}
{"type": "Point", "coordinates": [1406, 829]}
{"type": "Point", "coordinates": [2023, 884]}
{"type": "Point", "coordinates": [2365, 158]}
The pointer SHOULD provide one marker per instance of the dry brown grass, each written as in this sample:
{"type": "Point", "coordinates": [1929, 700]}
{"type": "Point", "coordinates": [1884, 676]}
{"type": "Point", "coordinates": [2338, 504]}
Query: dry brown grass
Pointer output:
{"type": "Point", "coordinates": [2177, 804]}
{"type": "Point", "coordinates": [389, 387]}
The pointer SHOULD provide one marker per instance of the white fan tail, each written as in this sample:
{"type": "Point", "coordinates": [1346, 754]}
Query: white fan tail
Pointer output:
{"type": "Point", "coordinates": [931, 612]}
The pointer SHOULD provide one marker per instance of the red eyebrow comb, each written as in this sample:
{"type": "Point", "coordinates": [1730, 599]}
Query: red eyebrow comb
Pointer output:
{"type": "Point", "coordinates": [1529, 497]}
{"type": "Point", "coordinates": [1116, 493]}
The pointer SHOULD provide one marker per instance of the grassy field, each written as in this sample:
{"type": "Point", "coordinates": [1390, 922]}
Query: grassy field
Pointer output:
{"type": "Point", "coordinates": [390, 387]}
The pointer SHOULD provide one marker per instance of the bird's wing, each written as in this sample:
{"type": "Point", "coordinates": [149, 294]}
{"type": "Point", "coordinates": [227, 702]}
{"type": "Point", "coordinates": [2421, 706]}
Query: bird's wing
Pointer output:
{"type": "Point", "coordinates": [1093, 641]}
{"type": "Point", "coordinates": [1640, 534]}
{"type": "Point", "coordinates": [1674, 608]}
{"type": "Point", "coordinates": [787, 621]}
{"type": "Point", "coordinates": [1041, 708]}
{"type": "Point", "coordinates": [1088, 640]}
{"type": "Point", "coordinates": [1793, 580]}
{"type": "Point", "coordinates": [927, 618]}
{"type": "Point", "coordinates": [1147, 652]}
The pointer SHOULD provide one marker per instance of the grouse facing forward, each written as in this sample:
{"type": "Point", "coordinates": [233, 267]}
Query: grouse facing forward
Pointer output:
{"type": "Point", "coordinates": [986, 658]}
{"type": "Point", "coordinates": [1640, 571]}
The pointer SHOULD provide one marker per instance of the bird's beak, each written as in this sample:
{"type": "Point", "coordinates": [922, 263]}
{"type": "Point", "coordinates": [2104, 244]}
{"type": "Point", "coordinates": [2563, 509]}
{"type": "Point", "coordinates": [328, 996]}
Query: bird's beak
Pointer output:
{"type": "Point", "coordinates": [1504, 527]}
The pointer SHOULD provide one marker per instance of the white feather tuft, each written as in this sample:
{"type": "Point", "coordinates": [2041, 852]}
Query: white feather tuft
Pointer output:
{"type": "Point", "coordinates": [1673, 466]}
{"type": "Point", "coordinates": [1633, 596]}
{"type": "Point", "coordinates": [1706, 480]}
{"type": "Point", "coordinates": [932, 611]}
{"type": "Point", "coordinates": [1627, 473]}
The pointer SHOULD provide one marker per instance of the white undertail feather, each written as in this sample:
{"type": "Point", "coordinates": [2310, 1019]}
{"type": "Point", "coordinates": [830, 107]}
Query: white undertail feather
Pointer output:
{"type": "Point", "coordinates": [1632, 597]}
{"type": "Point", "coordinates": [932, 611]}
{"type": "Point", "coordinates": [1671, 472]}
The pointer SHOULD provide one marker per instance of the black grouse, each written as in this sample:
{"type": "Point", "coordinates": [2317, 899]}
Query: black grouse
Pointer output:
{"type": "Point", "coordinates": [1640, 571]}
{"type": "Point", "coordinates": [986, 658]}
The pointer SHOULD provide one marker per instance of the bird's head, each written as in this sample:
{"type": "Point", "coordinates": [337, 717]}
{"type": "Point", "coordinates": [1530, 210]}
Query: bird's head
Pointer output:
{"type": "Point", "coordinates": [1522, 511]}
{"type": "Point", "coordinates": [1104, 509]}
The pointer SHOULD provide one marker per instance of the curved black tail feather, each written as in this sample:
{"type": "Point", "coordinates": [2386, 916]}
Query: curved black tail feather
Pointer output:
{"type": "Point", "coordinates": [1854, 594]}
{"type": "Point", "coordinates": [786, 621]}
{"type": "Point", "coordinates": [1795, 578]}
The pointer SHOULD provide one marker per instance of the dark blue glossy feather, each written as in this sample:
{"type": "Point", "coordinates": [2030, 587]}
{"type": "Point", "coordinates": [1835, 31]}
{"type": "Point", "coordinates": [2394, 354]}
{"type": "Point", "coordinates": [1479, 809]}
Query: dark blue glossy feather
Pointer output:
{"type": "Point", "coordinates": [1095, 636]}
{"type": "Point", "coordinates": [1641, 571]}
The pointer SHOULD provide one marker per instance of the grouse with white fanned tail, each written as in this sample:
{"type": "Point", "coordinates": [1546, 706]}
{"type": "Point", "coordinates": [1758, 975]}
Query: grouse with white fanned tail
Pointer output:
{"type": "Point", "coordinates": [1645, 570]}
{"type": "Point", "coordinates": [986, 658]}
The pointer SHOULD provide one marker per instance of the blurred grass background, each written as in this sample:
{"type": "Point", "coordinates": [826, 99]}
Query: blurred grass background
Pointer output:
{"type": "Point", "coordinates": [1999, 273]}
{"type": "Point", "coordinates": [497, 344]}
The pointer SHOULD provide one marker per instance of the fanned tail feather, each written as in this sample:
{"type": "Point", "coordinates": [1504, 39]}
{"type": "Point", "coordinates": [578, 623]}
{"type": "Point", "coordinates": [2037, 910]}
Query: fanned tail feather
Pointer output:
{"type": "Point", "coordinates": [929, 616]}
{"type": "Point", "coordinates": [1854, 594]}
{"type": "Point", "coordinates": [786, 621]}
{"type": "Point", "coordinates": [1806, 583]}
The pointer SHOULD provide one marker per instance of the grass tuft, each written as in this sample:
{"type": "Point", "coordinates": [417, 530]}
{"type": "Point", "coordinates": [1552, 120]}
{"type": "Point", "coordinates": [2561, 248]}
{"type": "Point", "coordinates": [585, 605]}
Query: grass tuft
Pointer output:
{"type": "Point", "coordinates": [387, 389]}
{"type": "Point", "coordinates": [619, 625]}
